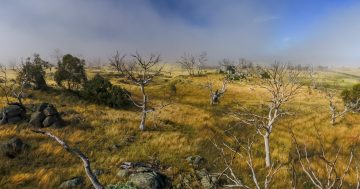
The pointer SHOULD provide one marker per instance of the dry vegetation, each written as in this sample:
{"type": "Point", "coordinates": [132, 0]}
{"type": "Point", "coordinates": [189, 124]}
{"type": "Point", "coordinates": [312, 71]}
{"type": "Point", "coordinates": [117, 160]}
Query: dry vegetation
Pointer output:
{"type": "Point", "coordinates": [111, 136]}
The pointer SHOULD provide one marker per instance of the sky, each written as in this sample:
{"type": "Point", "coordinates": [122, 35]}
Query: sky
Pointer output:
{"type": "Point", "coordinates": [320, 32]}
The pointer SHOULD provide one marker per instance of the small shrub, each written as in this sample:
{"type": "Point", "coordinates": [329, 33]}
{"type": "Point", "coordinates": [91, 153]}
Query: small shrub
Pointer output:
{"type": "Point", "coordinates": [99, 90]}
{"type": "Point", "coordinates": [33, 72]}
{"type": "Point", "coordinates": [351, 95]}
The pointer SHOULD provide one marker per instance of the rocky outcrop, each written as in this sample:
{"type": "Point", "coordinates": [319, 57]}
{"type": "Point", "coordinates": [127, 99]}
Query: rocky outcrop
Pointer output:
{"type": "Point", "coordinates": [13, 113]}
{"type": "Point", "coordinates": [74, 183]}
{"type": "Point", "coordinates": [143, 176]}
{"type": "Point", "coordinates": [46, 115]}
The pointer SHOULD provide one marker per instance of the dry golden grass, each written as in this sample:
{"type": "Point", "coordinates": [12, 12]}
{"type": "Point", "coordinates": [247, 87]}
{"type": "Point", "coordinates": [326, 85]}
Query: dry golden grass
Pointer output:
{"type": "Point", "coordinates": [184, 128]}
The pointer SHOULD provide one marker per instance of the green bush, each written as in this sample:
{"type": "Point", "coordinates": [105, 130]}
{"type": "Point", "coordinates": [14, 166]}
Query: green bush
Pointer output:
{"type": "Point", "coordinates": [99, 90]}
{"type": "Point", "coordinates": [71, 71]}
{"type": "Point", "coordinates": [351, 95]}
{"type": "Point", "coordinates": [33, 72]}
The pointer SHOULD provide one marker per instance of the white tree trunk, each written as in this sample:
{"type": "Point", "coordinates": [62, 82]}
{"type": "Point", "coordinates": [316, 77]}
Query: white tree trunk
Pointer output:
{"type": "Point", "coordinates": [267, 149]}
{"type": "Point", "coordinates": [144, 109]}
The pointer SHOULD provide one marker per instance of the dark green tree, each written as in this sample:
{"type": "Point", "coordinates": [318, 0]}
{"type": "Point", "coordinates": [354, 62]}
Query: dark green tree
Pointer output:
{"type": "Point", "coordinates": [33, 71]}
{"type": "Point", "coordinates": [71, 71]}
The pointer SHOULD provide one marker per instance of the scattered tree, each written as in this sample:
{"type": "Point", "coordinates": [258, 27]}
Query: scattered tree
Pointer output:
{"type": "Point", "coordinates": [71, 71]}
{"type": "Point", "coordinates": [118, 62]}
{"type": "Point", "coordinates": [192, 63]}
{"type": "Point", "coordinates": [33, 71]}
{"type": "Point", "coordinates": [349, 106]}
{"type": "Point", "coordinates": [312, 75]}
{"type": "Point", "coordinates": [227, 66]}
{"type": "Point", "coordinates": [282, 85]}
{"type": "Point", "coordinates": [215, 95]}
{"type": "Point", "coordinates": [140, 72]}
{"type": "Point", "coordinates": [229, 153]}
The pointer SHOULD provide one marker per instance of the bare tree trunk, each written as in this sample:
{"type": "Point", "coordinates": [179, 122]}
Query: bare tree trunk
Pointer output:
{"type": "Point", "coordinates": [143, 120]}
{"type": "Point", "coordinates": [333, 119]}
{"type": "Point", "coordinates": [267, 149]}
{"type": "Point", "coordinates": [94, 181]}
{"type": "Point", "coordinates": [212, 99]}
{"type": "Point", "coordinates": [144, 109]}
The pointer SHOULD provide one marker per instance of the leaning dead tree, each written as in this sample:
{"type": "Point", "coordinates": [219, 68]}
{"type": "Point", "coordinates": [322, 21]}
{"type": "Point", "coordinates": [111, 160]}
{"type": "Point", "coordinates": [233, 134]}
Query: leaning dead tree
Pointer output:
{"type": "Point", "coordinates": [348, 107]}
{"type": "Point", "coordinates": [90, 174]}
{"type": "Point", "coordinates": [140, 72]}
{"type": "Point", "coordinates": [325, 170]}
{"type": "Point", "coordinates": [12, 88]}
{"type": "Point", "coordinates": [216, 94]}
{"type": "Point", "coordinates": [243, 151]}
{"type": "Point", "coordinates": [281, 84]}
{"type": "Point", "coordinates": [192, 63]}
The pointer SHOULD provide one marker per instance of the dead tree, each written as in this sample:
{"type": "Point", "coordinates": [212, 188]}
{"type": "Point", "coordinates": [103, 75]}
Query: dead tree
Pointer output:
{"type": "Point", "coordinates": [282, 85]}
{"type": "Point", "coordinates": [334, 175]}
{"type": "Point", "coordinates": [201, 62]}
{"type": "Point", "coordinates": [90, 174]}
{"type": "Point", "coordinates": [118, 62]}
{"type": "Point", "coordinates": [312, 75]}
{"type": "Point", "coordinates": [11, 87]}
{"type": "Point", "coordinates": [348, 107]}
{"type": "Point", "coordinates": [243, 150]}
{"type": "Point", "coordinates": [141, 72]}
{"type": "Point", "coordinates": [191, 63]}
{"type": "Point", "coordinates": [215, 95]}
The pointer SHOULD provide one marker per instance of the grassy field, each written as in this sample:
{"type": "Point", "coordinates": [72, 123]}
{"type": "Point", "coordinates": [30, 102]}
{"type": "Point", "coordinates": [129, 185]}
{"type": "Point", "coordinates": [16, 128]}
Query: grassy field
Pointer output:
{"type": "Point", "coordinates": [182, 129]}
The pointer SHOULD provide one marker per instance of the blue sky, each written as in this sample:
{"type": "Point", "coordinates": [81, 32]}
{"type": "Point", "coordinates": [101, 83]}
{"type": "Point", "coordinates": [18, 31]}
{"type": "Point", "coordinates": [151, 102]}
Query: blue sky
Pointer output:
{"type": "Point", "coordinates": [299, 31]}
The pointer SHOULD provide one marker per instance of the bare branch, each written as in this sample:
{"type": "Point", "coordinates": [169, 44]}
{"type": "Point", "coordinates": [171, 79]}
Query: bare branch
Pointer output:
{"type": "Point", "coordinates": [88, 170]}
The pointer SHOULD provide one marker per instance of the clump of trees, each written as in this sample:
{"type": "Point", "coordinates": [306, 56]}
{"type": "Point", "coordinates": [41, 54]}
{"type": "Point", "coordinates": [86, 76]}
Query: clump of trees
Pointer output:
{"type": "Point", "coordinates": [33, 71]}
{"type": "Point", "coordinates": [70, 73]}
{"type": "Point", "coordinates": [100, 90]}
{"type": "Point", "coordinates": [193, 63]}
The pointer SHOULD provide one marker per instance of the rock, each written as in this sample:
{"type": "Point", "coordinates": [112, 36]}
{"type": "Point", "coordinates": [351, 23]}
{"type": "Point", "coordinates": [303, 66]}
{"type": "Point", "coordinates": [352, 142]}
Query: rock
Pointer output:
{"type": "Point", "coordinates": [207, 181]}
{"type": "Point", "coordinates": [13, 147]}
{"type": "Point", "coordinates": [198, 160]}
{"type": "Point", "coordinates": [195, 160]}
{"type": "Point", "coordinates": [76, 182]}
{"type": "Point", "coordinates": [15, 119]}
{"type": "Point", "coordinates": [147, 180]}
{"type": "Point", "coordinates": [12, 113]}
{"type": "Point", "coordinates": [49, 120]}
{"type": "Point", "coordinates": [57, 124]}
{"type": "Point", "coordinates": [37, 119]}
{"type": "Point", "coordinates": [50, 110]}
{"type": "Point", "coordinates": [47, 116]}
{"type": "Point", "coordinates": [42, 106]}
{"type": "Point", "coordinates": [123, 173]}
{"type": "Point", "coordinates": [14, 110]}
